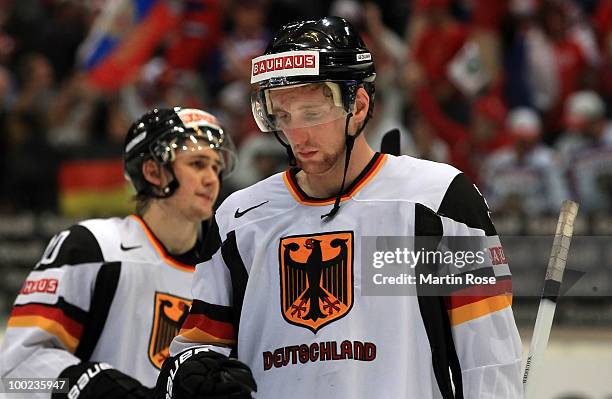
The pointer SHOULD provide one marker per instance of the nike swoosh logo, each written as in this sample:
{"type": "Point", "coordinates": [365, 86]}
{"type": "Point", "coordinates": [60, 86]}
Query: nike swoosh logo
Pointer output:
{"type": "Point", "coordinates": [239, 214]}
{"type": "Point", "coordinates": [124, 248]}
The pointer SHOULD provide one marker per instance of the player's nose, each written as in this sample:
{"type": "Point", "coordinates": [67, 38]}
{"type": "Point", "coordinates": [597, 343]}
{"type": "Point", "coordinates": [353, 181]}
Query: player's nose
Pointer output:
{"type": "Point", "coordinates": [297, 136]}
{"type": "Point", "coordinates": [209, 177]}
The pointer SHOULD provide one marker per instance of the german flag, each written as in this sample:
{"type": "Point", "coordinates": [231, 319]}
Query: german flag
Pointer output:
{"type": "Point", "coordinates": [477, 301]}
{"type": "Point", "coordinates": [93, 187]}
{"type": "Point", "coordinates": [209, 324]}
{"type": "Point", "coordinates": [62, 320]}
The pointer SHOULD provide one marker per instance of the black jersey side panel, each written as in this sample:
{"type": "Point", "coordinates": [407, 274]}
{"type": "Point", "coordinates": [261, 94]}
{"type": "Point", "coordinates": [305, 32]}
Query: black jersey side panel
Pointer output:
{"type": "Point", "coordinates": [433, 310]}
{"type": "Point", "coordinates": [101, 302]}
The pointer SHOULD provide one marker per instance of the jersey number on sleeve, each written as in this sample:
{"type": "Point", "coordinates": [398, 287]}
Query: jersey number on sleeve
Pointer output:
{"type": "Point", "coordinates": [53, 248]}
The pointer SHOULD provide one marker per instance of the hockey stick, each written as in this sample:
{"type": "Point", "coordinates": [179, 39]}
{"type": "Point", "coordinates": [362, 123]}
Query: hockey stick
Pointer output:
{"type": "Point", "coordinates": [548, 301]}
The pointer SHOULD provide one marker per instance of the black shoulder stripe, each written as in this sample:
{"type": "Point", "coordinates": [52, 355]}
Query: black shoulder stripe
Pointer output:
{"type": "Point", "coordinates": [426, 222]}
{"type": "Point", "coordinates": [212, 240]}
{"type": "Point", "coordinates": [428, 231]}
{"type": "Point", "coordinates": [239, 276]}
{"type": "Point", "coordinates": [101, 301]}
{"type": "Point", "coordinates": [463, 203]}
{"type": "Point", "coordinates": [212, 311]}
{"type": "Point", "coordinates": [71, 247]}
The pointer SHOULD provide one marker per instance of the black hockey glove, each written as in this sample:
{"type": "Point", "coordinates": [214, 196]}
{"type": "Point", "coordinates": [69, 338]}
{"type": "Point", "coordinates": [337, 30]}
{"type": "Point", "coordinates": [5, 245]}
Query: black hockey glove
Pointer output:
{"type": "Point", "coordinates": [199, 373]}
{"type": "Point", "coordinates": [89, 380]}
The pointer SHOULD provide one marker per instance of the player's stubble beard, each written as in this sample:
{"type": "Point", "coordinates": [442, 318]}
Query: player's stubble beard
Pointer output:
{"type": "Point", "coordinates": [329, 162]}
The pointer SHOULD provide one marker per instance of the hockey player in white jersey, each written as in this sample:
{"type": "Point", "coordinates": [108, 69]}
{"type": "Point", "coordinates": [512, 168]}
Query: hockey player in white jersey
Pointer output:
{"type": "Point", "coordinates": [108, 295]}
{"type": "Point", "coordinates": [586, 151]}
{"type": "Point", "coordinates": [282, 287]}
{"type": "Point", "coordinates": [526, 177]}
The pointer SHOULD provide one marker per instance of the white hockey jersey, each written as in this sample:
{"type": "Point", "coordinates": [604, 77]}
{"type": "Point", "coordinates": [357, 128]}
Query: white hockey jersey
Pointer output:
{"type": "Point", "coordinates": [589, 169]}
{"type": "Point", "coordinates": [105, 290]}
{"type": "Point", "coordinates": [306, 333]}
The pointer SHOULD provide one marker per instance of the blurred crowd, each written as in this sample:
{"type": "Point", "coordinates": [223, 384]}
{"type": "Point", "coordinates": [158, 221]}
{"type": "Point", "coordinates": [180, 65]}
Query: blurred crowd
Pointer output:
{"type": "Point", "coordinates": [516, 93]}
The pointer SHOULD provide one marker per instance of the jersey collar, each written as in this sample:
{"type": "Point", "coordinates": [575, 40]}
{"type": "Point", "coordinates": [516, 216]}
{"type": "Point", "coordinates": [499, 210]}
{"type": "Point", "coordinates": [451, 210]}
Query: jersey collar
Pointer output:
{"type": "Point", "coordinates": [181, 262]}
{"type": "Point", "coordinates": [364, 177]}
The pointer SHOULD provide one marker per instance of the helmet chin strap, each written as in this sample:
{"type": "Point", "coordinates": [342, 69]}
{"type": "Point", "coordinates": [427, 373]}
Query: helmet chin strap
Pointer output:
{"type": "Point", "coordinates": [171, 187]}
{"type": "Point", "coordinates": [349, 142]}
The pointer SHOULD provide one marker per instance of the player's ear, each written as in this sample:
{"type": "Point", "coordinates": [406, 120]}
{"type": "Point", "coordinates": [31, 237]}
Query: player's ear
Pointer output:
{"type": "Point", "coordinates": [362, 104]}
{"type": "Point", "coordinates": [152, 173]}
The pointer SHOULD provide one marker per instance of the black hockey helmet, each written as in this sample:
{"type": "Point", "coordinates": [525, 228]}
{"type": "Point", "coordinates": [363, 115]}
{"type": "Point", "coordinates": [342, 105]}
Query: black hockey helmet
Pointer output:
{"type": "Point", "coordinates": [161, 132]}
{"type": "Point", "coordinates": [328, 50]}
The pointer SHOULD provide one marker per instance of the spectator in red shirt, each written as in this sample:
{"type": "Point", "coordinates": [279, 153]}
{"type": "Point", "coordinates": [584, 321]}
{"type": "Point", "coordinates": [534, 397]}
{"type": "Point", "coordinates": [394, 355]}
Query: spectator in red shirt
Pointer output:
{"type": "Point", "coordinates": [438, 41]}
{"type": "Point", "coordinates": [570, 58]}
{"type": "Point", "coordinates": [602, 21]}
{"type": "Point", "coordinates": [198, 34]}
{"type": "Point", "coordinates": [468, 144]}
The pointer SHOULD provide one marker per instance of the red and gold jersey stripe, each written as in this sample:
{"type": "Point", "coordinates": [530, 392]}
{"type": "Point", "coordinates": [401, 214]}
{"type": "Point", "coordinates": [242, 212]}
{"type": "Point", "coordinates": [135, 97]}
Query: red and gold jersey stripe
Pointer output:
{"type": "Point", "coordinates": [365, 177]}
{"type": "Point", "coordinates": [209, 324]}
{"type": "Point", "coordinates": [478, 309]}
{"type": "Point", "coordinates": [202, 329]}
{"type": "Point", "coordinates": [49, 318]}
{"type": "Point", "coordinates": [477, 293]}
{"type": "Point", "coordinates": [474, 302]}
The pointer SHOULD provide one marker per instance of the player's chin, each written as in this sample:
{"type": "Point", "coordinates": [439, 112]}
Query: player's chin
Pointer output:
{"type": "Point", "coordinates": [202, 212]}
{"type": "Point", "coordinates": [311, 167]}
{"type": "Point", "coordinates": [203, 208]}
{"type": "Point", "coordinates": [316, 167]}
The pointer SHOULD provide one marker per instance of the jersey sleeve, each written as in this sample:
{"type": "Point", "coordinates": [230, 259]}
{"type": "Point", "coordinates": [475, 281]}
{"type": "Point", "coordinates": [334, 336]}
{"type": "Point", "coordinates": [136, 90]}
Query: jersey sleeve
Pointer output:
{"type": "Point", "coordinates": [484, 332]}
{"type": "Point", "coordinates": [471, 329]}
{"type": "Point", "coordinates": [218, 291]}
{"type": "Point", "coordinates": [51, 312]}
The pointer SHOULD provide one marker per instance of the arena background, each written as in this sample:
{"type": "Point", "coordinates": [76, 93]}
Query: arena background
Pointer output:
{"type": "Point", "coordinates": [74, 74]}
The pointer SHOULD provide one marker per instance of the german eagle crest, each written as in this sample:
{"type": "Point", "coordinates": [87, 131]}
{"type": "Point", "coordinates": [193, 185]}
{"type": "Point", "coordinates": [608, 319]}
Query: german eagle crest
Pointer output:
{"type": "Point", "coordinates": [316, 278]}
{"type": "Point", "coordinates": [170, 312]}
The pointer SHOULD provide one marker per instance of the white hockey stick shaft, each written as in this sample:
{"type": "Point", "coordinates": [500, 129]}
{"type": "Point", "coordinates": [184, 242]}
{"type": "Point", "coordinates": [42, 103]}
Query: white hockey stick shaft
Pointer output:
{"type": "Point", "coordinates": [548, 301]}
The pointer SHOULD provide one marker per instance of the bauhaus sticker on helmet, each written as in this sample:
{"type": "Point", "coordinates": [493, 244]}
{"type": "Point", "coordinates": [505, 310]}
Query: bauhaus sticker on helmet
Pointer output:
{"type": "Point", "coordinates": [193, 118]}
{"type": "Point", "coordinates": [289, 63]}
{"type": "Point", "coordinates": [364, 57]}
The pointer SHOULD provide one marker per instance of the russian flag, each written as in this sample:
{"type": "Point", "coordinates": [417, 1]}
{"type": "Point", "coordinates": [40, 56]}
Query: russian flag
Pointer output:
{"type": "Point", "coordinates": [123, 38]}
